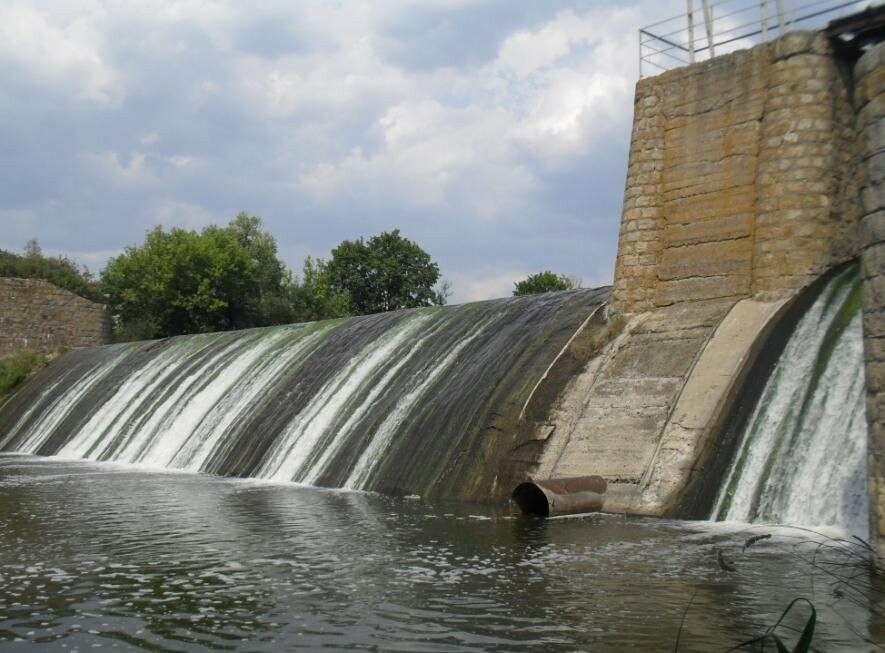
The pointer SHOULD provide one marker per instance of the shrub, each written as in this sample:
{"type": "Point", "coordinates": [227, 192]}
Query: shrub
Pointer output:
{"type": "Point", "coordinates": [14, 371]}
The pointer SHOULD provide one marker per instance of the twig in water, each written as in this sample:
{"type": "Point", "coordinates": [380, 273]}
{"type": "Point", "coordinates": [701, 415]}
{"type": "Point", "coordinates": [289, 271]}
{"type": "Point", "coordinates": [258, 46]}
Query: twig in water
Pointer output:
{"type": "Point", "coordinates": [756, 538]}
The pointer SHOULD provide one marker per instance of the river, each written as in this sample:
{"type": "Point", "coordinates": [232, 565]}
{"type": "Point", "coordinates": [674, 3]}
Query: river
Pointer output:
{"type": "Point", "coordinates": [100, 555]}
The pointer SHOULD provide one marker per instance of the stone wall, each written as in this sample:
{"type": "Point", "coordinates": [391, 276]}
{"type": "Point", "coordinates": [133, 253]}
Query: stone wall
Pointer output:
{"type": "Point", "coordinates": [38, 316]}
{"type": "Point", "coordinates": [740, 180]}
{"type": "Point", "coordinates": [869, 77]}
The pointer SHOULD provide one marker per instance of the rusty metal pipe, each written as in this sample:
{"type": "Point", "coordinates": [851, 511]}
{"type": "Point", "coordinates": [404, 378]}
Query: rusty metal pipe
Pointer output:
{"type": "Point", "coordinates": [560, 496]}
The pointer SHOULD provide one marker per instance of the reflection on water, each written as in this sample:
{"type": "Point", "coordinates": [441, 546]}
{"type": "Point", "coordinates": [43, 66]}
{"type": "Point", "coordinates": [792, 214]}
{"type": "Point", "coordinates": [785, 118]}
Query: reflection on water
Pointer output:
{"type": "Point", "coordinates": [97, 555]}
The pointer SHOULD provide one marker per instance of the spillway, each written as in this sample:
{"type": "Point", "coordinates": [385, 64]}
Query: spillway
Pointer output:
{"type": "Point", "coordinates": [401, 402]}
{"type": "Point", "coordinates": [802, 456]}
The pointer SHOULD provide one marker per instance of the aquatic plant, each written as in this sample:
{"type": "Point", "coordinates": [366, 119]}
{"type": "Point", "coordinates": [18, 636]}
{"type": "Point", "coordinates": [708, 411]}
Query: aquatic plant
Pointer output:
{"type": "Point", "coordinates": [851, 569]}
{"type": "Point", "coordinates": [803, 644]}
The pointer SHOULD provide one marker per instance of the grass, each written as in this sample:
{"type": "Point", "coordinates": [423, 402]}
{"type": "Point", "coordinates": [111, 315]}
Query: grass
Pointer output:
{"type": "Point", "coordinates": [14, 371]}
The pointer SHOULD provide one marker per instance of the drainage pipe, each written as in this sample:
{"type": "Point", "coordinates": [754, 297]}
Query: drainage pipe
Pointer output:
{"type": "Point", "coordinates": [560, 496]}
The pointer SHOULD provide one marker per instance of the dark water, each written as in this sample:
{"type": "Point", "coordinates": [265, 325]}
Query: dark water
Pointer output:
{"type": "Point", "coordinates": [94, 555]}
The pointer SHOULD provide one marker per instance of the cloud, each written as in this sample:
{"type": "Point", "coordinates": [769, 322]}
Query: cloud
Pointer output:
{"type": "Point", "coordinates": [170, 213]}
{"type": "Point", "coordinates": [494, 134]}
{"type": "Point", "coordinates": [69, 58]}
{"type": "Point", "coordinates": [490, 284]}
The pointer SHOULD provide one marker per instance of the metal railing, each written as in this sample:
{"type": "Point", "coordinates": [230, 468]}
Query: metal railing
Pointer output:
{"type": "Point", "coordinates": [707, 28]}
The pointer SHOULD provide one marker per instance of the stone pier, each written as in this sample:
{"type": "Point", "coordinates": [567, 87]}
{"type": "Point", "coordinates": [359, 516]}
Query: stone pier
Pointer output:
{"type": "Point", "coordinates": [869, 94]}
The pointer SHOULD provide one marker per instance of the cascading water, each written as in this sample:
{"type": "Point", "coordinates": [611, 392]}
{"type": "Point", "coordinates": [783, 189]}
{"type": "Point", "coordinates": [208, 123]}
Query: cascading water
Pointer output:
{"type": "Point", "coordinates": [802, 456]}
{"type": "Point", "coordinates": [394, 402]}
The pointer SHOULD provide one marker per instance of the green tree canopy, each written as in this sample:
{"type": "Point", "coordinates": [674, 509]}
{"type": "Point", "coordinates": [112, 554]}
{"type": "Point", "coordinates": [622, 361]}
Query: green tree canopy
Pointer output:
{"type": "Point", "coordinates": [385, 273]}
{"type": "Point", "coordinates": [545, 281]}
{"type": "Point", "coordinates": [183, 281]}
{"type": "Point", "coordinates": [59, 270]}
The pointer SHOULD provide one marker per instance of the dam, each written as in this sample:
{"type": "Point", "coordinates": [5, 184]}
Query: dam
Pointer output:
{"type": "Point", "coordinates": [728, 384]}
{"type": "Point", "coordinates": [744, 192]}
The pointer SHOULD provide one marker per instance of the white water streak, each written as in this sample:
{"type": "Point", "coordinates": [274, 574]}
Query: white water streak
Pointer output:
{"type": "Point", "coordinates": [61, 408]}
{"type": "Point", "coordinates": [302, 435]}
{"type": "Point", "coordinates": [371, 455]}
{"type": "Point", "coordinates": [181, 414]}
{"type": "Point", "coordinates": [807, 468]}
{"type": "Point", "coordinates": [212, 431]}
{"type": "Point", "coordinates": [311, 475]}
{"type": "Point", "coordinates": [100, 431]}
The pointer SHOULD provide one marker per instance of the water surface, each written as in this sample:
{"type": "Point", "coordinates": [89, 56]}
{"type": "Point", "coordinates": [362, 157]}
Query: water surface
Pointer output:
{"type": "Point", "coordinates": [98, 555]}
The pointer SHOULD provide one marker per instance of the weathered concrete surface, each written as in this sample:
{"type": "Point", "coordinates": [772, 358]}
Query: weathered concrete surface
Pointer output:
{"type": "Point", "coordinates": [36, 315]}
{"type": "Point", "coordinates": [641, 414]}
{"type": "Point", "coordinates": [869, 78]}
{"type": "Point", "coordinates": [610, 418]}
{"type": "Point", "coordinates": [740, 181]}
{"type": "Point", "coordinates": [705, 399]}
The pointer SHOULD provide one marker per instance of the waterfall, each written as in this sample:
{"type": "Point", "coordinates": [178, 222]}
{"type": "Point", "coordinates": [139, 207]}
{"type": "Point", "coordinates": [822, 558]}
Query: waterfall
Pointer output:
{"type": "Point", "coordinates": [399, 401]}
{"type": "Point", "coordinates": [802, 456]}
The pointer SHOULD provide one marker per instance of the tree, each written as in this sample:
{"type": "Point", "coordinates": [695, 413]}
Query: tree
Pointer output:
{"type": "Point", "coordinates": [313, 297]}
{"type": "Point", "coordinates": [545, 281]}
{"type": "Point", "coordinates": [271, 303]}
{"type": "Point", "coordinates": [184, 281]}
{"type": "Point", "coordinates": [385, 273]}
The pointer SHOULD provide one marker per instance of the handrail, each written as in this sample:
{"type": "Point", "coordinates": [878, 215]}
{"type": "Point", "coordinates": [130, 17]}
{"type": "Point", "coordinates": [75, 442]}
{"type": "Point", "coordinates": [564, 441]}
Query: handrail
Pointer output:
{"type": "Point", "coordinates": [709, 28]}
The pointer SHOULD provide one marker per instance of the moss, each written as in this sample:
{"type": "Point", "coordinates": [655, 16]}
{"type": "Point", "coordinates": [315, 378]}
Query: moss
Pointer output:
{"type": "Point", "coordinates": [14, 371]}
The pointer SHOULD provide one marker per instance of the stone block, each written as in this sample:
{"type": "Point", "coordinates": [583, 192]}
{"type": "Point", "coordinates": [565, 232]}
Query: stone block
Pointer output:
{"type": "Point", "coordinates": [875, 168]}
{"type": "Point", "coordinates": [618, 392]}
{"type": "Point", "coordinates": [873, 291]}
{"type": "Point", "coordinates": [871, 60]}
{"type": "Point", "coordinates": [872, 197]}
{"type": "Point", "coordinates": [874, 323]}
{"type": "Point", "coordinates": [874, 350]}
{"type": "Point", "coordinates": [870, 86]}
{"type": "Point", "coordinates": [712, 205]}
{"type": "Point", "coordinates": [870, 112]}
{"type": "Point", "coordinates": [872, 139]}
{"type": "Point", "coordinates": [703, 176]}
{"type": "Point", "coordinates": [875, 376]}
{"type": "Point", "coordinates": [873, 260]}
{"type": "Point", "coordinates": [698, 288]}
{"type": "Point", "coordinates": [724, 257]}
{"type": "Point", "coordinates": [714, 229]}
{"type": "Point", "coordinates": [872, 228]}
{"type": "Point", "coordinates": [688, 316]}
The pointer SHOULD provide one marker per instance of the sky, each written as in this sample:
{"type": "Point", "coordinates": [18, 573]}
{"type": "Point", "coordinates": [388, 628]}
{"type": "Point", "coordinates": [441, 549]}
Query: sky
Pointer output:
{"type": "Point", "coordinates": [493, 133]}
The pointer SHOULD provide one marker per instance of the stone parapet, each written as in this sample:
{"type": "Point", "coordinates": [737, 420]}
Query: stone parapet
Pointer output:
{"type": "Point", "coordinates": [36, 315]}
